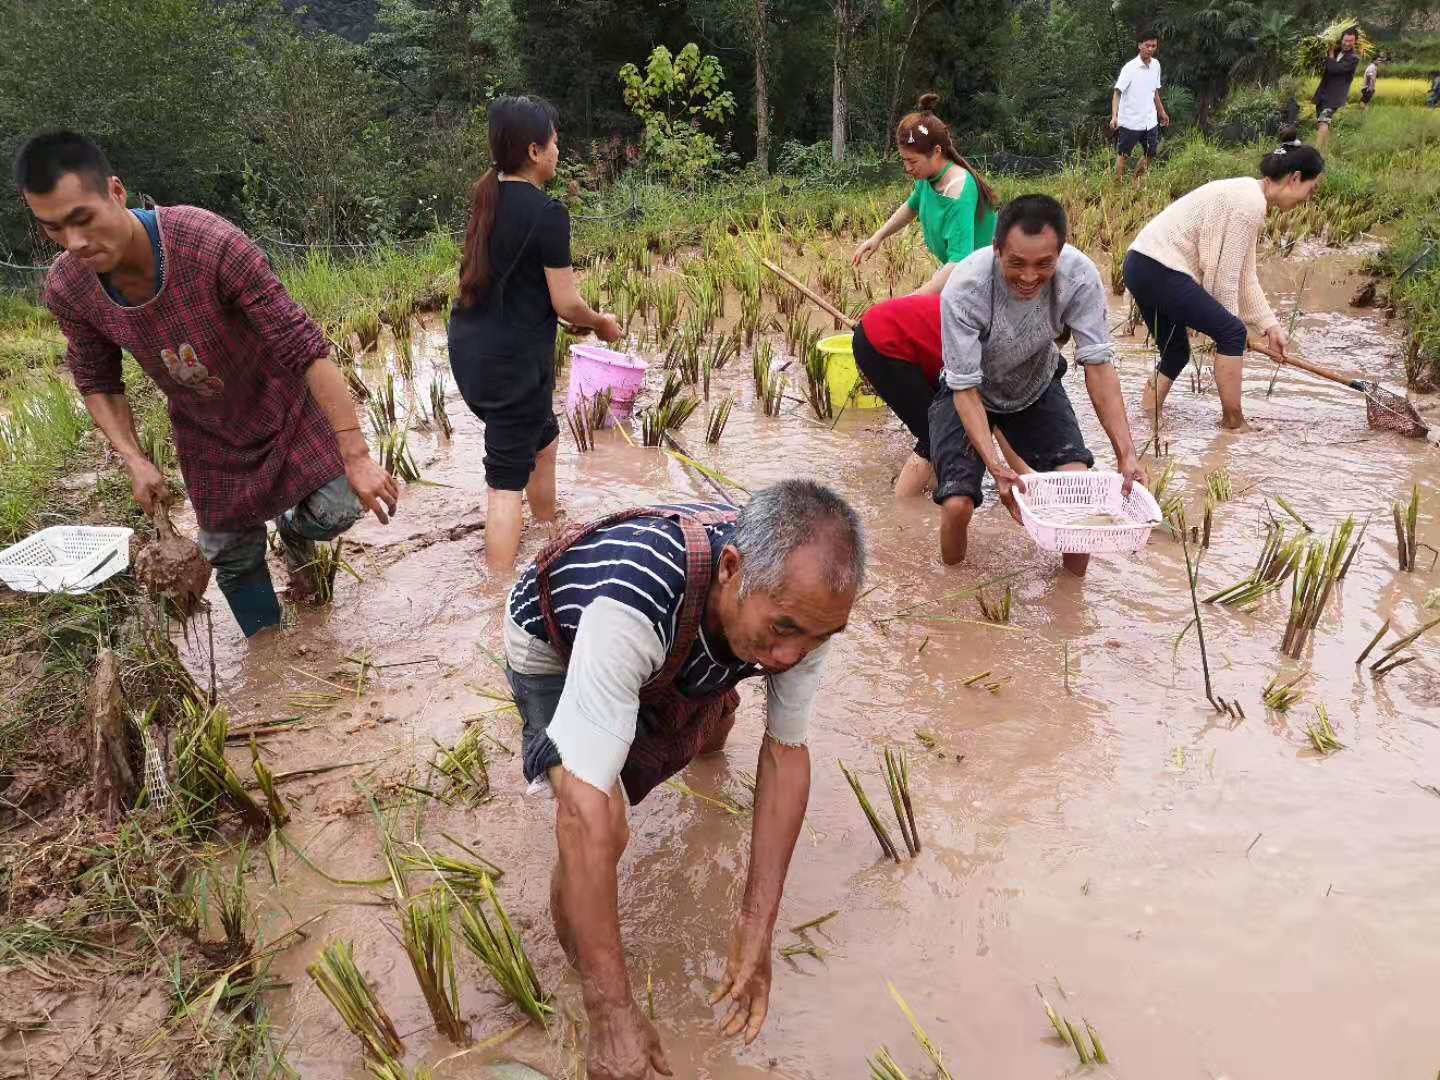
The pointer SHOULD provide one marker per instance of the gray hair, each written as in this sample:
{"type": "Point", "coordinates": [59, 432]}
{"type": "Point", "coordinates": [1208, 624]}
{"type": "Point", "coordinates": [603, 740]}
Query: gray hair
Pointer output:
{"type": "Point", "coordinates": [785, 517]}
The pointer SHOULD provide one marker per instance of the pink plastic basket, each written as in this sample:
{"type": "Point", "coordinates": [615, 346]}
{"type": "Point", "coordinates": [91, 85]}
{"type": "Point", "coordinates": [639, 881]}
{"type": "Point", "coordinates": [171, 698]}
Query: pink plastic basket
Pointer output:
{"type": "Point", "coordinates": [594, 370]}
{"type": "Point", "coordinates": [1054, 503]}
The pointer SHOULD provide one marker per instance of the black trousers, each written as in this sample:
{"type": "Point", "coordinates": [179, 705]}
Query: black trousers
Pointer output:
{"type": "Point", "coordinates": [901, 385]}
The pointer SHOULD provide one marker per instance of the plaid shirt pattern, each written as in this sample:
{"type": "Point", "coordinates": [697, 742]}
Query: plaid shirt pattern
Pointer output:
{"type": "Point", "coordinates": [229, 348]}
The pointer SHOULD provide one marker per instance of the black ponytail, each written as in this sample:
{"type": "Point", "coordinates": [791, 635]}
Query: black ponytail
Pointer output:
{"type": "Point", "coordinates": [1292, 156]}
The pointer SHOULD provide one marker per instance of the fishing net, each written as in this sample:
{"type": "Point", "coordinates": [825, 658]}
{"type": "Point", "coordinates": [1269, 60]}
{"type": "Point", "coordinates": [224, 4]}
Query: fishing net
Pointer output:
{"type": "Point", "coordinates": [1388, 411]}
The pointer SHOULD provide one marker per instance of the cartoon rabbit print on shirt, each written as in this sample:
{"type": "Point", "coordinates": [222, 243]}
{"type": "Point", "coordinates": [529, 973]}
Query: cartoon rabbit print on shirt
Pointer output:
{"type": "Point", "coordinates": [187, 370]}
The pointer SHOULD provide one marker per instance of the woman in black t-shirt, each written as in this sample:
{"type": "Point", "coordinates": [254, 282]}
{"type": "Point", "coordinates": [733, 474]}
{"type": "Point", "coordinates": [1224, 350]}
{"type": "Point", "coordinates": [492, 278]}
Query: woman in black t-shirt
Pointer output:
{"type": "Point", "coordinates": [515, 279]}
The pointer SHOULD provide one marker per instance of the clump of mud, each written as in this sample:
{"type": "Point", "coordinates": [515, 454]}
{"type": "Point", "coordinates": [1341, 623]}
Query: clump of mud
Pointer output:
{"type": "Point", "coordinates": [172, 569]}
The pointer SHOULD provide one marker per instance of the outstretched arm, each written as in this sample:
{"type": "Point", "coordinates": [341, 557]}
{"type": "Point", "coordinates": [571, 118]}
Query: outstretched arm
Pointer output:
{"type": "Point", "coordinates": [373, 486]}
{"type": "Point", "coordinates": [903, 216]}
{"type": "Point", "coordinates": [1103, 385]}
{"type": "Point", "coordinates": [782, 790]}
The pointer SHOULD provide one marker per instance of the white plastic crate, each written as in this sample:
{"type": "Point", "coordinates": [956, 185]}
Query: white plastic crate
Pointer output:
{"type": "Point", "coordinates": [66, 558]}
{"type": "Point", "coordinates": [1054, 502]}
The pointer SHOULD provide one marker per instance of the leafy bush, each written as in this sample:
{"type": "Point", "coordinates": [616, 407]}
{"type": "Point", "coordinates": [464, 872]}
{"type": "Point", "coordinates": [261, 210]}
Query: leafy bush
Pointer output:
{"type": "Point", "coordinates": [1252, 111]}
{"type": "Point", "coordinates": [675, 95]}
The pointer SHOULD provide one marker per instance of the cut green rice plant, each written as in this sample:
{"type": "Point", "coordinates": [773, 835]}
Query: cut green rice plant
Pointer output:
{"type": "Point", "coordinates": [462, 877]}
{"type": "Point", "coordinates": [666, 415]}
{"type": "Point", "coordinates": [464, 767]}
{"type": "Point", "coordinates": [774, 395]}
{"type": "Point", "coordinates": [884, 1067]}
{"type": "Point", "coordinates": [752, 318]}
{"type": "Point", "coordinates": [279, 814]}
{"type": "Point", "coordinates": [882, 834]}
{"type": "Point", "coordinates": [931, 1050]}
{"type": "Point", "coordinates": [404, 349]}
{"type": "Point", "coordinates": [897, 781]}
{"type": "Point", "coordinates": [1218, 485]}
{"type": "Point", "coordinates": [232, 905]}
{"type": "Point", "coordinates": [597, 410]}
{"type": "Point", "coordinates": [389, 1069]}
{"type": "Point", "coordinates": [425, 934]}
{"type": "Point", "coordinates": [797, 332]}
{"type": "Point", "coordinates": [1322, 735]}
{"type": "Point", "coordinates": [817, 385]}
{"type": "Point", "coordinates": [578, 420]}
{"type": "Point", "coordinates": [717, 418]}
{"type": "Point", "coordinates": [722, 351]}
{"type": "Point", "coordinates": [761, 361]}
{"type": "Point", "coordinates": [1278, 559]}
{"type": "Point", "coordinates": [437, 408]}
{"type": "Point", "coordinates": [995, 611]}
{"type": "Point", "coordinates": [665, 298]}
{"type": "Point", "coordinates": [204, 779]}
{"type": "Point", "coordinates": [1284, 504]}
{"type": "Point", "coordinates": [1387, 658]}
{"type": "Point", "coordinates": [383, 416]}
{"type": "Point", "coordinates": [1311, 50]}
{"type": "Point", "coordinates": [395, 456]}
{"type": "Point", "coordinates": [1280, 696]}
{"type": "Point", "coordinates": [337, 977]}
{"type": "Point", "coordinates": [498, 947]}
{"type": "Point", "coordinates": [1406, 516]}
{"type": "Point", "coordinates": [1089, 1050]}
{"type": "Point", "coordinates": [325, 567]}
{"type": "Point", "coordinates": [1313, 583]}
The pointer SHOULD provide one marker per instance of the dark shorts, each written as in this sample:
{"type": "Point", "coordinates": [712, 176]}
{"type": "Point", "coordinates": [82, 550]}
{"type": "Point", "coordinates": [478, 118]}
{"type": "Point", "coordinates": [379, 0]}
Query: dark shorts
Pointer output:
{"type": "Point", "coordinates": [1126, 139]}
{"type": "Point", "coordinates": [512, 392]}
{"type": "Point", "coordinates": [901, 385]}
{"type": "Point", "coordinates": [1172, 303]}
{"type": "Point", "coordinates": [1324, 115]}
{"type": "Point", "coordinates": [1367, 95]}
{"type": "Point", "coordinates": [536, 697]}
{"type": "Point", "coordinates": [1045, 434]}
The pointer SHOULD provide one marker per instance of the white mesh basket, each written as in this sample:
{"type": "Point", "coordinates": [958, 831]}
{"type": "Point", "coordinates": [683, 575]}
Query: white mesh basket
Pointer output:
{"type": "Point", "coordinates": [65, 558]}
{"type": "Point", "coordinates": [1055, 505]}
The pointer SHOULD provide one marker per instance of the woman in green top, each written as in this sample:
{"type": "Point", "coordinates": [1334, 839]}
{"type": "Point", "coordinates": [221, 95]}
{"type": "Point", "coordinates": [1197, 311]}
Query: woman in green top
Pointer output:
{"type": "Point", "coordinates": [955, 205]}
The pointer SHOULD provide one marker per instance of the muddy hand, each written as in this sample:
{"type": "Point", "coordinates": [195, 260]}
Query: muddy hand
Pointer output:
{"type": "Point", "coordinates": [1007, 480]}
{"type": "Point", "coordinates": [1132, 472]}
{"type": "Point", "coordinates": [148, 484]}
{"type": "Point", "coordinates": [746, 985]}
{"type": "Point", "coordinates": [373, 486]}
{"type": "Point", "coordinates": [609, 329]}
{"type": "Point", "coordinates": [624, 1045]}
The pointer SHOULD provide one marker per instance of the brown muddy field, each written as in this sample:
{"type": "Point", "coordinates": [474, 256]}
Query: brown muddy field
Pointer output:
{"type": "Point", "coordinates": [1216, 898]}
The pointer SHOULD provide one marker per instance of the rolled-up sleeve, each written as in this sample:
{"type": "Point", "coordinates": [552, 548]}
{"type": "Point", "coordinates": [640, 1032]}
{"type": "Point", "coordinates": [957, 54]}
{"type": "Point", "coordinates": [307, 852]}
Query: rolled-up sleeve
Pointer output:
{"type": "Point", "coordinates": [790, 698]}
{"type": "Point", "coordinates": [963, 314]}
{"type": "Point", "coordinates": [246, 281]}
{"type": "Point", "coordinates": [616, 651]}
{"type": "Point", "coordinates": [93, 359]}
{"type": "Point", "coordinates": [1086, 317]}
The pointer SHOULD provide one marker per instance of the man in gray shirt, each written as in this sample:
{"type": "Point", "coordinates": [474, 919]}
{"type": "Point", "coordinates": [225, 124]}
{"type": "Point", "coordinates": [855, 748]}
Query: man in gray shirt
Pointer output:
{"type": "Point", "coordinates": [1001, 310]}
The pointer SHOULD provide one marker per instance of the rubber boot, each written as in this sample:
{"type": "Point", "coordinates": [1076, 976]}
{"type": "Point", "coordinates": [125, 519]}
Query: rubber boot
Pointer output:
{"type": "Point", "coordinates": [253, 602]}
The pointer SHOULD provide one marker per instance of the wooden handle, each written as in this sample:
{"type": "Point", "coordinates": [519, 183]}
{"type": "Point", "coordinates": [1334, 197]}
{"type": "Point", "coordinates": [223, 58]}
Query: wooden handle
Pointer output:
{"type": "Point", "coordinates": [814, 297]}
{"type": "Point", "coordinates": [1303, 365]}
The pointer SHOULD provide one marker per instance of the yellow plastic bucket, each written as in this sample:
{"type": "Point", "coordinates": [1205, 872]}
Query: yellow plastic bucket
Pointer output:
{"type": "Point", "coordinates": [842, 375]}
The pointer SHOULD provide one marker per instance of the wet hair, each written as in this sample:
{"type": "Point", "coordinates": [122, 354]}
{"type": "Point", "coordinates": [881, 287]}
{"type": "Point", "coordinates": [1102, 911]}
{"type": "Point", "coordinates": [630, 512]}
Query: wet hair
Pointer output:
{"type": "Point", "coordinates": [50, 155]}
{"type": "Point", "coordinates": [1145, 35]}
{"type": "Point", "coordinates": [515, 125]}
{"type": "Point", "coordinates": [1292, 156]}
{"type": "Point", "coordinates": [781, 519]}
{"type": "Point", "coordinates": [1032, 214]}
{"type": "Point", "coordinates": [922, 131]}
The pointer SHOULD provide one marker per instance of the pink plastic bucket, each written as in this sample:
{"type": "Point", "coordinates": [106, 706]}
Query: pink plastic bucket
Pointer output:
{"type": "Point", "coordinates": [594, 370]}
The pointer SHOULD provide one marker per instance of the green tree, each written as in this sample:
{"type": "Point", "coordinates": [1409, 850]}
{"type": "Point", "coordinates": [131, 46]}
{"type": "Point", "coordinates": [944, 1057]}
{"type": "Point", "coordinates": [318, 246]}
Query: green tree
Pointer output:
{"type": "Point", "coordinates": [676, 93]}
{"type": "Point", "coordinates": [155, 82]}
{"type": "Point", "coordinates": [447, 55]}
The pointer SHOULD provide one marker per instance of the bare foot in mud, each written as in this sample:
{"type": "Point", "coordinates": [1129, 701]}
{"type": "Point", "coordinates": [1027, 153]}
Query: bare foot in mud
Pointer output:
{"type": "Point", "coordinates": [1238, 425]}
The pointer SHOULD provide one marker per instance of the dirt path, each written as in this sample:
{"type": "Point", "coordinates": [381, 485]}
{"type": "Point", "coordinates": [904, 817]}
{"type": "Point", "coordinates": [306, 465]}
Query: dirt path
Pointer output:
{"type": "Point", "coordinates": [1212, 895]}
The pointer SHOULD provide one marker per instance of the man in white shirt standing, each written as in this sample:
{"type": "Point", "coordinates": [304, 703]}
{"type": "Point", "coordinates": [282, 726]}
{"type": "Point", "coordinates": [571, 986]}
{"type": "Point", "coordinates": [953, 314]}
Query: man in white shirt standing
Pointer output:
{"type": "Point", "coordinates": [1136, 112]}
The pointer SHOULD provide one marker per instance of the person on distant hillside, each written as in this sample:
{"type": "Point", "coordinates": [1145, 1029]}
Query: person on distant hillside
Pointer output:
{"type": "Point", "coordinates": [263, 422]}
{"type": "Point", "coordinates": [1001, 311]}
{"type": "Point", "coordinates": [1136, 112]}
{"type": "Point", "coordinates": [1372, 76]}
{"type": "Point", "coordinates": [955, 205]}
{"type": "Point", "coordinates": [1193, 268]}
{"type": "Point", "coordinates": [515, 280]}
{"type": "Point", "coordinates": [1333, 90]}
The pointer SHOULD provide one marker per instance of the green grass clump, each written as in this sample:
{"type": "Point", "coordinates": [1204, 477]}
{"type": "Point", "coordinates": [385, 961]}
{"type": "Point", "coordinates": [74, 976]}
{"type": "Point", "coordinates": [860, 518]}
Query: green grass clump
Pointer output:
{"type": "Point", "coordinates": [343, 985]}
{"type": "Point", "coordinates": [498, 947]}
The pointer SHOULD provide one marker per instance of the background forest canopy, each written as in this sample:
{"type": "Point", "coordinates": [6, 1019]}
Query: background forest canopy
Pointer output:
{"type": "Point", "coordinates": [345, 121]}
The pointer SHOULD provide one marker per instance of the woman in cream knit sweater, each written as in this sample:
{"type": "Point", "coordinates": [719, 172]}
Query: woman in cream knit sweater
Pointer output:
{"type": "Point", "coordinates": [1193, 268]}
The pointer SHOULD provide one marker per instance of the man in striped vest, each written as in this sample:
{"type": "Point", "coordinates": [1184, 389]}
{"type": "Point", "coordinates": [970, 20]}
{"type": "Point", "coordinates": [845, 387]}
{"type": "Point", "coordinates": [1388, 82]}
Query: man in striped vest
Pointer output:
{"type": "Point", "coordinates": [624, 643]}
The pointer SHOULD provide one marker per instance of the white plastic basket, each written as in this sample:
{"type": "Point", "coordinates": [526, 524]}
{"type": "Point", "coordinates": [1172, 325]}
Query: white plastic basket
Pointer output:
{"type": "Point", "coordinates": [1054, 502]}
{"type": "Point", "coordinates": [65, 558]}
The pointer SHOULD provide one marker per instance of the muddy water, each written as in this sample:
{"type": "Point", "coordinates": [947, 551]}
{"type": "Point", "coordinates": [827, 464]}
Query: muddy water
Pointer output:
{"type": "Point", "coordinates": [1214, 897]}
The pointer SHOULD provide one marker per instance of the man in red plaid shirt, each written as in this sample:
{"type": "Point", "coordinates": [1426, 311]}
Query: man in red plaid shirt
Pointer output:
{"type": "Point", "coordinates": [263, 422]}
